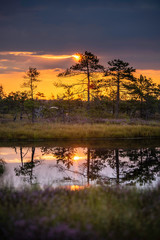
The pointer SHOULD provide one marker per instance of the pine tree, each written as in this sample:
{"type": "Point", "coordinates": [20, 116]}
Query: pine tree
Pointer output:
{"type": "Point", "coordinates": [120, 71]}
{"type": "Point", "coordinates": [88, 64]}
{"type": "Point", "coordinates": [31, 78]}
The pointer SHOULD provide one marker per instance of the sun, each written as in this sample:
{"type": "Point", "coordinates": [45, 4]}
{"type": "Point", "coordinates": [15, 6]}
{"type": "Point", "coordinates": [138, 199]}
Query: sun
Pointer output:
{"type": "Point", "coordinates": [77, 56]}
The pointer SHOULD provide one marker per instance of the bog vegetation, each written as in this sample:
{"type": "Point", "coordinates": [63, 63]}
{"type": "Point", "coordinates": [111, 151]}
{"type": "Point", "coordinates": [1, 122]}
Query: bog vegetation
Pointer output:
{"type": "Point", "coordinates": [91, 213]}
{"type": "Point", "coordinates": [50, 131]}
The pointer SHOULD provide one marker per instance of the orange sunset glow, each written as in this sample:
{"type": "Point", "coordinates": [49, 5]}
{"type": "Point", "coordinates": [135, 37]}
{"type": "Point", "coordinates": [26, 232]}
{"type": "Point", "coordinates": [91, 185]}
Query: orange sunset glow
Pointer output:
{"type": "Point", "coordinates": [13, 66]}
{"type": "Point", "coordinates": [79, 119]}
{"type": "Point", "coordinates": [55, 57]}
{"type": "Point", "coordinates": [77, 56]}
{"type": "Point", "coordinates": [13, 81]}
{"type": "Point", "coordinates": [12, 72]}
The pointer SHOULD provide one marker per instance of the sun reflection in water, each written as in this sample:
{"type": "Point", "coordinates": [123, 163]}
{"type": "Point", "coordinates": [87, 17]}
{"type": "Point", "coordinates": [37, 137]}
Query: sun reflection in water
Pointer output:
{"type": "Point", "coordinates": [76, 187]}
{"type": "Point", "coordinates": [76, 158]}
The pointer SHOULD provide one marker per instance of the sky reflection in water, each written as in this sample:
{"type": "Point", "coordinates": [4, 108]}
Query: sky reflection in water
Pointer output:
{"type": "Point", "coordinates": [77, 167]}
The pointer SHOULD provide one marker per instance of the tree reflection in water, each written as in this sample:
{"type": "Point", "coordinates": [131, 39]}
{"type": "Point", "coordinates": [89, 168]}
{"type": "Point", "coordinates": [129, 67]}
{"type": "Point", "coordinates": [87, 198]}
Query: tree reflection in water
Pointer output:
{"type": "Point", "coordinates": [2, 167]}
{"type": "Point", "coordinates": [143, 165]}
{"type": "Point", "coordinates": [94, 163]}
{"type": "Point", "coordinates": [27, 168]}
{"type": "Point", "coordinates": [137, 166]}
{"type": "Point", "coordinates": [97, 166]}
{"type": "Point", "coordinates": [64, 160]}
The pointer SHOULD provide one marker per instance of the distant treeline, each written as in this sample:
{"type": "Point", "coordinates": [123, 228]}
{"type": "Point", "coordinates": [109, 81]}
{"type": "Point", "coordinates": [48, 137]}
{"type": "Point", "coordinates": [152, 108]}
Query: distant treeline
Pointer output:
{"type": "Point", "coordinates": [102, 92]}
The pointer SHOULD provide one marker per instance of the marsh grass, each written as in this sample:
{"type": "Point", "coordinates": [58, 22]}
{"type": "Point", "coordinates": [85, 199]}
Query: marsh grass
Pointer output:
{"type": "Point", "coordinates": [39, 131]}
{"type": "Point", "coordinates": [91, 213]}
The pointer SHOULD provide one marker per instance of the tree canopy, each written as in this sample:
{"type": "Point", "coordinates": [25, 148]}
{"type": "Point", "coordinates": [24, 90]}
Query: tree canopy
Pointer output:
{"type": "Point", "coordinates": [87, 64]}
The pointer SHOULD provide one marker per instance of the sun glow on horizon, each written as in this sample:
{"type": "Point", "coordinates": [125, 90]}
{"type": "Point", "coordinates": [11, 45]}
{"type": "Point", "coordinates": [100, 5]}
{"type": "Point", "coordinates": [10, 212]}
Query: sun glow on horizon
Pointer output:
{"type": "Point", "coordinates": [39, 55]}
{"type": "Point", "coordinates": [54, 56]}
{"type": "Point", "coordinates": [77, 56]}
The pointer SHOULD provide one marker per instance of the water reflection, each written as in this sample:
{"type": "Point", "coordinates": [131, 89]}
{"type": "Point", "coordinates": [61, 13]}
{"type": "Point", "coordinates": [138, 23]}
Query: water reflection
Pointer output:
{"type": "Point", "coordinates": [26, 169]}
{"type": "Point", "coordinates": [143, 166]}
{"type": "Point", "coordinates": [2, 167]}
{"type": "Point", "coordinates": [79, 166]}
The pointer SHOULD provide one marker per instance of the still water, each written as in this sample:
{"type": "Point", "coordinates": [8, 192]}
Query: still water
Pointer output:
{"type": "Point", "coordinates": [125, 162]}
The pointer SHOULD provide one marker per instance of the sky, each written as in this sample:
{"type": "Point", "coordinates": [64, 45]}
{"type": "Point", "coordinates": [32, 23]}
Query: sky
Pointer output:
{"type": "Point", "coordinates": [46, 33]}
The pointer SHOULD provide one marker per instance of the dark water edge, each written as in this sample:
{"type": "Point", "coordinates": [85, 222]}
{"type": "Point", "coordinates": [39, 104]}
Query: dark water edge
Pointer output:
{"type": "Point", "coordinates": [91, 142]}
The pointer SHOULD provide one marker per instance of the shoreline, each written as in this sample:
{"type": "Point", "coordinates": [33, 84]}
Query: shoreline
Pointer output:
{"type": "Point", "coordinates": [76, 132]}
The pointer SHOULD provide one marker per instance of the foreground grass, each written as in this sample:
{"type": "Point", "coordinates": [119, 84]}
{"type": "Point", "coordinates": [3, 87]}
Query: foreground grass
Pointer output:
{"type": "Point", "coordinates": [48, 131]}
{"type": "Point", "coordinates": [91, 213]}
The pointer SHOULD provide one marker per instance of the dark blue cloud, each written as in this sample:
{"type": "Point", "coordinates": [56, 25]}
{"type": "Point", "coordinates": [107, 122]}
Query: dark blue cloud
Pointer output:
{"type": "Point", "coordinates": [128, 29]}
{"type": "Point", "coordinates": [10, 6]}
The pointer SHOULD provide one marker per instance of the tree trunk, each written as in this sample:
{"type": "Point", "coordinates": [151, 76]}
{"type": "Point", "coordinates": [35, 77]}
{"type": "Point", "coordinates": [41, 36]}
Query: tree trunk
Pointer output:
{"type": "Point", "coordinates": [88, 78]}
{"type": "Point", "coordinates": [32, 98]}
{"type": "Point", "coordinates": [113, 108]}
{"type": "Point", "coordinates": [88, 165]}
{"type": "Point", "coordinates": [118, 97]}
{"type": "Point", "coordinates": [21, 153]}
{"type": "Point", "coordinates": [22, 110]}
{"type": "Point", "coordinates": [141, 108]}
{"type": "Point", "coordinates": [117, 165]}
{"type": "Point", "coordinates": [32, 165]}
{"type": "Point", "coordinates": [33, 111]}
